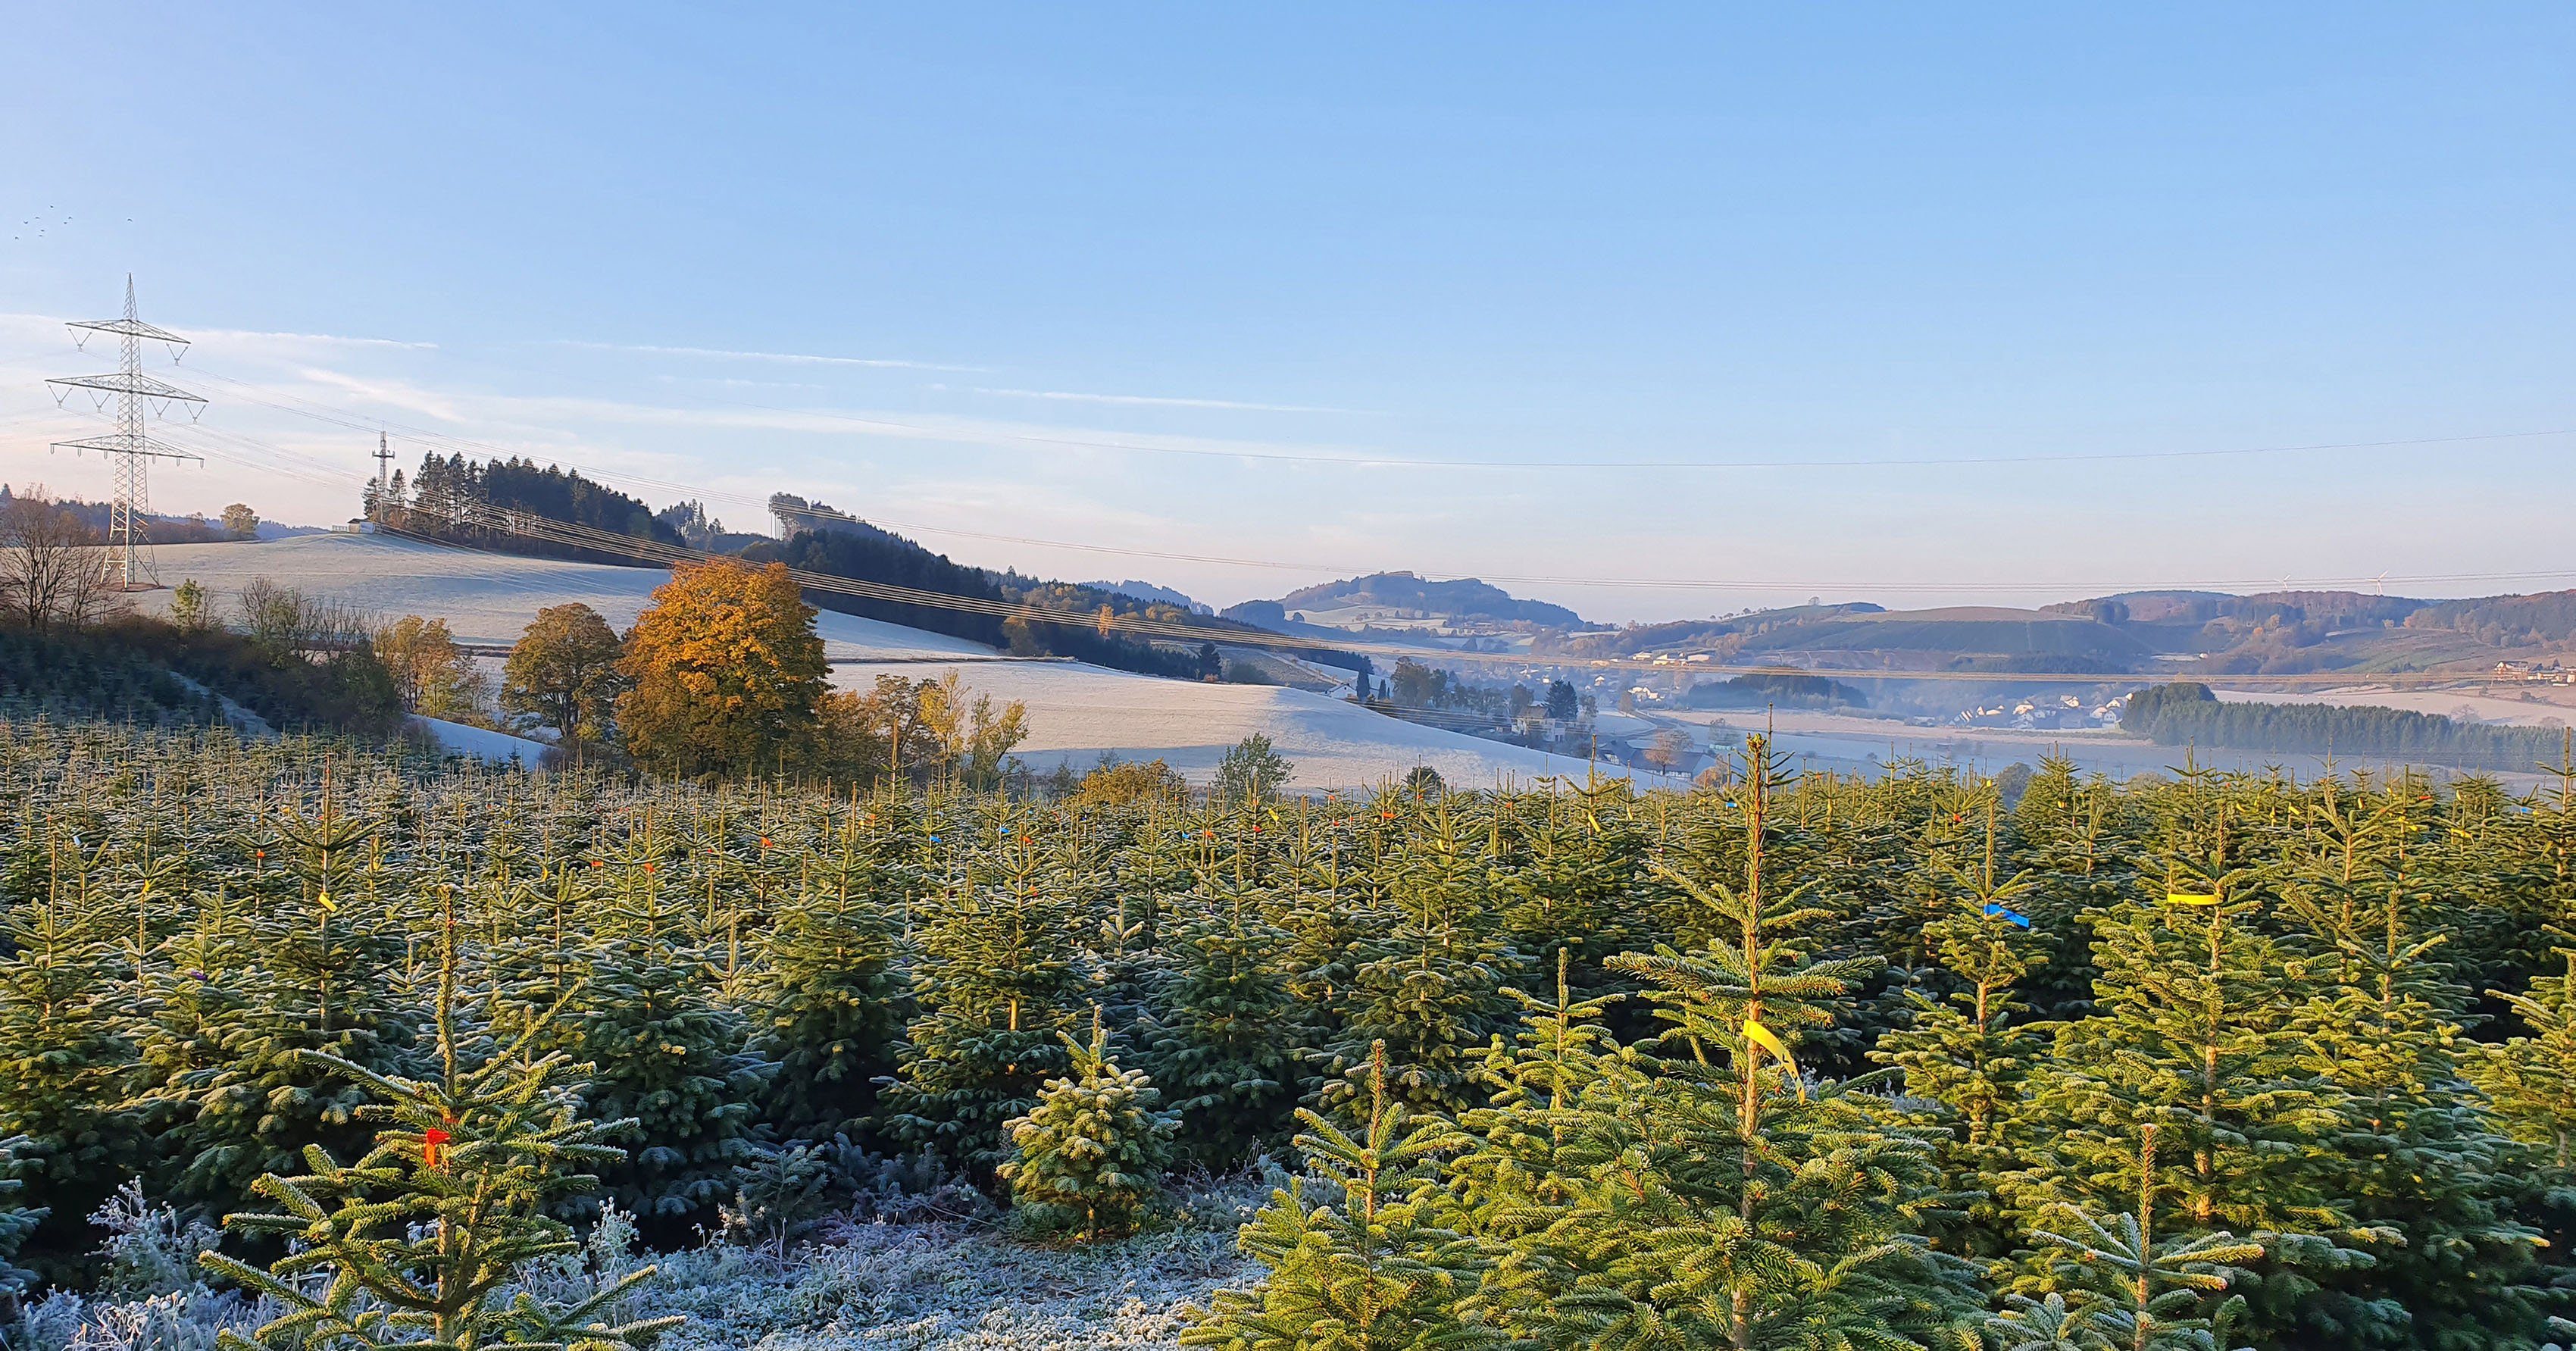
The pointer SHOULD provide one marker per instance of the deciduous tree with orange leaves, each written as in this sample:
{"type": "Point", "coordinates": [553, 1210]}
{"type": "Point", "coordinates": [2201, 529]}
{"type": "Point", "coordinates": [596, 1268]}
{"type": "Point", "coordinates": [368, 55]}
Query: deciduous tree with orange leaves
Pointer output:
{"type": "Point", "coordinates": [727, 672]}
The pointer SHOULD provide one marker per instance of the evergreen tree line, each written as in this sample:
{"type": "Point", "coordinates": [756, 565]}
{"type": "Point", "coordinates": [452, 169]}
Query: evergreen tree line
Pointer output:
{"type": "Point", "coordinates": [2198, 1060]}
{"type": "Point", "coordinates": [2189, 714]}
{"type": "Point", "coordinates": [446, 498]}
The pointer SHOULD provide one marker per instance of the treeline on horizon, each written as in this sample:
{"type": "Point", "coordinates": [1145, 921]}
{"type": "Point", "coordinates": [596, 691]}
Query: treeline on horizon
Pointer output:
{"type": "Point", "coordinates": [2188, 713]}
{"type": "Point", "coordinates": [440, 500]}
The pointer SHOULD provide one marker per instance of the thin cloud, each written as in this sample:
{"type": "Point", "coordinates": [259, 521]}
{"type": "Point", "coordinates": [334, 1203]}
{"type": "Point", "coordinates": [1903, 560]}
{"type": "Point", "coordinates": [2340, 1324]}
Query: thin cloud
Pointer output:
{"type": "Point", "coordinates": [238, 335]}
{"type": "Point", "coordinates": [791, 358]}
{"type": "Point", "coordinates": [1155, 401]}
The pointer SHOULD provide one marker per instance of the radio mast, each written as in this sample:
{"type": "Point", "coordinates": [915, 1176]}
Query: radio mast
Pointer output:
{"type": "Point", "coordinates": [129, 451]}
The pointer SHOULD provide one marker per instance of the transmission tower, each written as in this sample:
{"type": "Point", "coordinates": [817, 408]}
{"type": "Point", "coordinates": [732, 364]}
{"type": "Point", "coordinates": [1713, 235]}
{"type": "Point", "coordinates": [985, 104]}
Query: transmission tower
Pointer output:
{"type": "Point", "coordinates": [384, 479]}
{"type": "Point", "coordinates": [128, 450]}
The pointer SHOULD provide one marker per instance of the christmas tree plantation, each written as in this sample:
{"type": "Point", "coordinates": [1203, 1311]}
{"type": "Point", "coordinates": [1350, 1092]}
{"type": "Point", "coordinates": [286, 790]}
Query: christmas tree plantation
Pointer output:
{"type": "Point", "coordinates": [2199, 1060]}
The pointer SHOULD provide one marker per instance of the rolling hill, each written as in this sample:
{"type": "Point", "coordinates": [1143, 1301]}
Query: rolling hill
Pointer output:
{"type": "Point", "coordinates": [1402, 599]}
{"type": "Point", "coordinates": [1077, 711]}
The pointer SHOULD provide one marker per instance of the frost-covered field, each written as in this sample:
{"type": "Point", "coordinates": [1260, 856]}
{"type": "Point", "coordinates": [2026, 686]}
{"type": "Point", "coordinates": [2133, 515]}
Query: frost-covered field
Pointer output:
{"type": "Point", "coordinates": [486, 598]}
{"type": "Point", "coordinates": [1078, 711]}
{"type": "Point", "coordinates": [942, 1286]}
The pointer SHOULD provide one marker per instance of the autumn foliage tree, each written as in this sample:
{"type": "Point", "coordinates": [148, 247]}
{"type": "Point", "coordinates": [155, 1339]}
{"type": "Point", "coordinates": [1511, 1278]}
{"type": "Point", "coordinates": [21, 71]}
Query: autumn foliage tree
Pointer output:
{"type": "Point", "coordinates": [564, 672]}
{"type": "Point", "coordinates": [727, 672]}
{"type": "Point", "coordinates": [433, 675]}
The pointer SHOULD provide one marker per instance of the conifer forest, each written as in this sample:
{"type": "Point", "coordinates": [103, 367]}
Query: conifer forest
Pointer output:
{"type": "Point", "coordinates": [310, 1044]}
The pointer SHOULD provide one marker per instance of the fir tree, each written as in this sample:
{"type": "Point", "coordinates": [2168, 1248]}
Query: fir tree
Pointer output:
{"type": "Point", "coordinates": [1575, 884]}
{"type": "Point", "coordinates": [65, 1060]}
{"type": "Point", "coordinates": [1225, 1047]}
{"type": "Point", "coordinates": [1974, 1051]}
{"type": "Point", "coordinates": [1430, 985]}
{"type": "Point", "coordinates": [2416, 1165]}
{"type": "Point", "coordinates": [1001, 976]}
{"type": "Point", "coordinates": [1091, 1154]}
{"type": "Point", "coordinates": [833, 1002]}
{"type": "Point", "coordinates": [321, 984]}
{"type": "Point", "coordinates": [2122, 1287]}
{"type": "Point", "coordinates": [2531, 1080]}
{"type": "Point", "coordinates": [663, 1048]}
{"type": "Point", "coordinates": [1752, 1206]}
{"type": "Point", "coordinates": [1371, 1267]}
{"type": "Point", "coordinates": [2198, 1034]}
{"type": "Point", "coordinates": [414, 1244]}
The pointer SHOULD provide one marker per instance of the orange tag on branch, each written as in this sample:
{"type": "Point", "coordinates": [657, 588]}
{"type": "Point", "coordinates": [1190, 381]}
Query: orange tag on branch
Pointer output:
{"type": "Point", "coordinates": [430, 1140]}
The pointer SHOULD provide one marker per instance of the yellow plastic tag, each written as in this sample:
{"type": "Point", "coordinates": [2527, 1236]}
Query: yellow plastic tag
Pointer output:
{"type": "Point", "coordinates": [2190, 898]}
{"type": "Point", "coordinates": [324, 900]}
{"type": "Point", "coordinates": [1761, 1036]}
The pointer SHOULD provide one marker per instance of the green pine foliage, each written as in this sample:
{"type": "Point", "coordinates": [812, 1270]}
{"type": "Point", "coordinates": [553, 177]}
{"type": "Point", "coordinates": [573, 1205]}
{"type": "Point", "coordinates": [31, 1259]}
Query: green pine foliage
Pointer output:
{"type": "Point", "coordinates": [2531, 1081]}
{"type": "Point", "coordinates": [328, 951]}
{"type": "Point", "coordinates": [2123, 1286]}
{"type": "Point", "coordinates": [832, 1003]}
{"type": "Point", "coordinates": [1225, 1048]}
{"type": "Point", "coordinates": [1516, 1023]}
{"type": "Point", "coordinates": [1089, 1158]}
{"type": "Point", "coordinates": [1002, 974]}
{"type": "Point", "coordinates": [667, 1050]}
{"type": "Point", "coordinates": [1362, 1262]}
{"type": "Point", "coordinates": [1428, 974]}
{"type": "Point", "coordinates": [418, 1242]}
{"type": "Point", "coordinates": [65, 1056]}
{"type": "Point", "coordinates": [17, 1221]}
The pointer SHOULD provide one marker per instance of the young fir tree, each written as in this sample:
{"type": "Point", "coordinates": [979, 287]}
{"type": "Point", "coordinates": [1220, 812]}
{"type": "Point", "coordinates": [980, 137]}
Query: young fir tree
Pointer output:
{"type": "Point", "coordinates": [1090, 1156]}
{"type": "Point", "coordinates": [2417, 1165]}
{"type": "Point", "coordinates": [1974, 1051]}
{"type": "Point", "coordinates": [1317, 903]}
{"type": "Point", "coordinates": [192, 1004]}
{"type": "Point", "coordinates": [1000, 975]}
{"type": "Point", "coordinates": [2531, 1080]}
{"type": "Point", "coordinates": [2198, 1033]}
{"type": "Point", "coordinates": [1430, 983]}
{"type": "Point", "coordinates": [2120, 1285]}
{"type": "Point", "coordinates": [414, 1245]}
{"type": "Point", "coordinates": [1552, 1121]}
{"type": "Point", "coordinates": [1753, 1207]}
{"type": "Point", "coordinates": [1371, 1267]}
{"type": "Point", "coordinates": [65, 1060]}
{"type": "Point", "coordinates": [833, 1003]}
{"type": "Point", "coordinates": [663, 1046]}
{"type": "Point", "coordinates": [1574, 885]}
{"type": "Point", "coordinates": [1226, 1027]}
{"type": "Point", "coordinates": [322, 957]}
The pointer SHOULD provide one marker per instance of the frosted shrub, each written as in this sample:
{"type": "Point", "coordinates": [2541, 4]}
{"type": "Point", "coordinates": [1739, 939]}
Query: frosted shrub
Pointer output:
{"type": "Point", "coordinates": [151, 1250]}
{"type": "Point", "coordinates": [1092, 1153]}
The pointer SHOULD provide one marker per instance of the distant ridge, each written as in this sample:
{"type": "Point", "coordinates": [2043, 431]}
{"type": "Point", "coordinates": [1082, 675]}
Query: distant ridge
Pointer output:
{"type": "Point", "coordinates": [1463, 599]}
{"type": "Point", "coordinates": [1149, 591]}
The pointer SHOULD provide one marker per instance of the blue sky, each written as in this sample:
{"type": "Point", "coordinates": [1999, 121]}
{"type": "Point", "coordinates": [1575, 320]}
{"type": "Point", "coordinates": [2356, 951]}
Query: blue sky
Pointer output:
{"type": "Point", "coordinates": [1123, 271]}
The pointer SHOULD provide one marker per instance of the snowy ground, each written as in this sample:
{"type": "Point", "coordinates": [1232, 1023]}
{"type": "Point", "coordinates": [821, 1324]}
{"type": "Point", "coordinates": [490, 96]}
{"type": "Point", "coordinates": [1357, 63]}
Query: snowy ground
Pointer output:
{"type": "Point", "coordinates": [486, 599]}
{"type": "Point", "coordinates": [869, 1287]}
{"type": "Point", "coordinates": [1078, 711]}
{"type": "Point", "coordinates": [477, 743]}
{"type": "Point", "coordinates": [1846, 744]}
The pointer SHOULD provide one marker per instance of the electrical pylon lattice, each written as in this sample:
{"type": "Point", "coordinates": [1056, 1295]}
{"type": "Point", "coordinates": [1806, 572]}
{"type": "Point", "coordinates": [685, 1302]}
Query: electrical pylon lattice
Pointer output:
{"type": "Point", "coordinates": [128, 449]}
